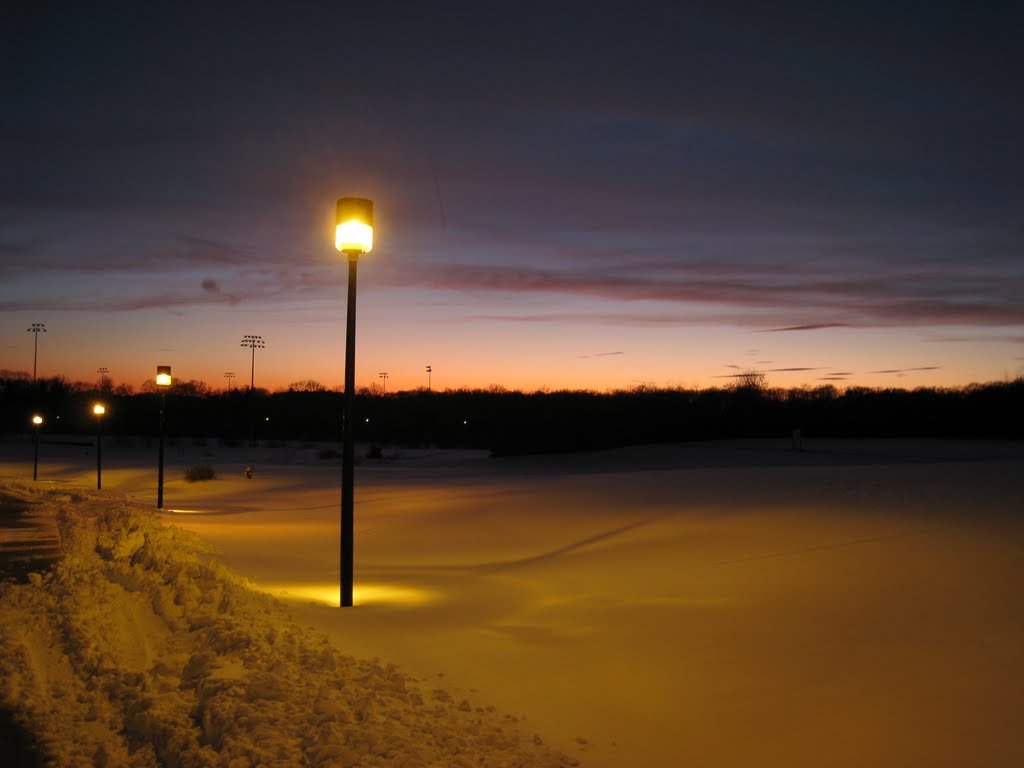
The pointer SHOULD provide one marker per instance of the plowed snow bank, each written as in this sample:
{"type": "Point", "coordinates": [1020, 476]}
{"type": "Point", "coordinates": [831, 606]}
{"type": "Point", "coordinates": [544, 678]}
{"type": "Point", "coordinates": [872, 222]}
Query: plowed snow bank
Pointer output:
{"type": "Point", "coordinates": [141, 648]}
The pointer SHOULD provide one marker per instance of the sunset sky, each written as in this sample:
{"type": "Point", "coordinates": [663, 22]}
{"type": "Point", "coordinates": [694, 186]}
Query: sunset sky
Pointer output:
{"type": "Point", "coordinates": [568, 195]}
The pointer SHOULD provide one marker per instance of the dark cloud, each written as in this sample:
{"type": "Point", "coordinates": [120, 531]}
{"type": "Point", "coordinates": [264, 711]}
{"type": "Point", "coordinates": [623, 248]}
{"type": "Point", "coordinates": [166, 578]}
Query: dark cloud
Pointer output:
{"type": "Point", "coordinates": [814, 327]}
{"type": "Point", "coordinates": [901, 371]}
{"type": "Point", "coordinates": [867, 301]}
{"type": "Point", "coordinates": [211, 286]}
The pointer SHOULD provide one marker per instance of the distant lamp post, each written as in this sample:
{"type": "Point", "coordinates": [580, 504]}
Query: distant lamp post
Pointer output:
{"type": "Point", "coordinates": [98, 410]}
{"type": "Point", "coordinates": [37, 424]}
{"type": "Point", "coordinates": [163, 380]}
{"type": "Point", "coordinates": [384, 376]}
{"type": "Point", "coordinates": [36, 329]}
{"type": "Point", "coordinates": [229, 375]}
{"type": "Point", "coordinates": [353, 236]}
{"type": "Point", "coordinates": [103, 376]}
{"type": "Point", "coordinates": [429, 370]}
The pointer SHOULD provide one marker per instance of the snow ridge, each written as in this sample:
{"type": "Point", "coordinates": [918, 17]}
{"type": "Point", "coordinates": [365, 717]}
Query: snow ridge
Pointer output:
{"type": "Point", "coordinates": [140, 648]}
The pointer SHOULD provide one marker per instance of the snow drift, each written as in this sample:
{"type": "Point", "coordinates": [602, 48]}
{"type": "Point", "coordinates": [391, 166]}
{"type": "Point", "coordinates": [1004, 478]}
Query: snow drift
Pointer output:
{"type": "Point", "coordinates": [140, 648]}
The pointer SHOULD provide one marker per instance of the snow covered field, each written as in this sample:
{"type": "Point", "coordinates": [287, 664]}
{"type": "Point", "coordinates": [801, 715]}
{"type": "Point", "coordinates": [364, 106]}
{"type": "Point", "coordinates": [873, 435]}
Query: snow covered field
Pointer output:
{"type": "Point", "coordinates": [722, 604]}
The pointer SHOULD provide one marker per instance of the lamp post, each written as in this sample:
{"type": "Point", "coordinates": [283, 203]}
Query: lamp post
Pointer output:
{"type": "Point", "coordinates": [37, 423]}
{"type": "Point", "coordinates": [98, 410]}
{"type": "Point", "coordinates": [35, 330]}
{"type": "Point", "coordinates": [429, 370]}
{"type": "Point", "coordinates": [229, 375]}
{"type": "Point", "coordinates": [353, 236]}
{"type": "Point", "coordinates": [163, 380]}
{"type": "Point", "coordinates": [103, 376]}
{"type": "Point", "coordinates": [384, 375]}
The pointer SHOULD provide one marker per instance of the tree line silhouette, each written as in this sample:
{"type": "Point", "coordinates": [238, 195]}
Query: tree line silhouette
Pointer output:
{"type": "Point", "coordinates": [512, 422]}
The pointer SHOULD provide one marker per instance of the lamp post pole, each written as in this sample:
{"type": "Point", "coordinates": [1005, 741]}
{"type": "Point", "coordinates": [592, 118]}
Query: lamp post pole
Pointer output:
{"type": "Point", "coordinates": [348, 443]}
{"type": "Point", "coordinates": [37, 423]}
{"type": "Point", "coordinates": [429, 370]}
{"type": "Point", "coordinates": [384, 376]}
{"type": "Point", "coordinates": [353, 236]}
{"type": "Point", "coordinates": [163, 381]}
{"type": "Point", "coordinates": [99, 410]}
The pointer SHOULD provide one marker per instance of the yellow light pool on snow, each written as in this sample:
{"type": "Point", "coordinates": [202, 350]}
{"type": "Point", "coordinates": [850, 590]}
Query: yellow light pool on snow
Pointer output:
{"type": "Point", "coordinates": [353, 233]}
{"type": "Point", "coordinates": [163, 375]}
{"type": "Point", "coordinates": [362, 594]}
{"type": "Point", "coordinates": [99, 409]}
{"type": "Point", "coordinates": [37, 420]}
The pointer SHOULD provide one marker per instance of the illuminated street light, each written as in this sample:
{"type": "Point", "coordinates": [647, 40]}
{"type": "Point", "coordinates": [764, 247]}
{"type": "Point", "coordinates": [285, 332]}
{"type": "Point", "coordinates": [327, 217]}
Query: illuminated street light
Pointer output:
{"type": "Point", "coordinates": [353, 236]}
{"type": "Point", "coordinates": [37, 424]}
{"type": "Point", "coordinates": [36, 329]}
{"type": "Point", "coordinates": [98, 410]}
{"type": "Point", "coordinates": [163, 380]}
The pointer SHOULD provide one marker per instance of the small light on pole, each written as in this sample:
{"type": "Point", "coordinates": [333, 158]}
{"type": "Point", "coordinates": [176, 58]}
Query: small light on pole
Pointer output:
{"type": "Point", "coordinates": [37, 424]}
{"type": "Point", "coordinates": [98, 410]}
{"type": "Point", "coordinates": [353, 236]}
{"type": "Point", "coordinates": [163, 380]}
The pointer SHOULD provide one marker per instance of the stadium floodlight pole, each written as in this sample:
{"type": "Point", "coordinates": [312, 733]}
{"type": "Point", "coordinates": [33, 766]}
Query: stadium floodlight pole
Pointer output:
{"type": "Point", "coordinates": [35, 329]}
{"type": "Point", "coordinates": [353, 236]}
{"type": "Point", "coordinates": [254, 343]}
{"type": "Point", "coordinates": [429, 369]}
{"type": "Point", "coordinates": [229, 375]}
{"type": "Point", "coordinates": [37, 423]}
{"type": "Point", "coordinates": [102, 371]}
{"type": "Point", "coordinates": [98, 410]}
{"type": "Point", "coordinates": [384, 375]}
{"type": "Point", "coordinates": [163, 381]}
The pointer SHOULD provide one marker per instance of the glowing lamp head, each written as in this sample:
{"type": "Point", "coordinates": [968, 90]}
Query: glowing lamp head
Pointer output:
{"type": "Point", "coordinates": [353, 234]}
{"type": "Point", "coordinates": [37, 420]}
{"type": "Point", "coordinates": [163, 375]}
{"type": "Point", "coordinates": [99, 409]}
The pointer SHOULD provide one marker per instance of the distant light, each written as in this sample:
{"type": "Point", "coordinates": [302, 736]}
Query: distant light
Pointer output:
{"type": "Point", "coordinates": [163, 375]}
{"type": "Point", "coordinates": [353, 233]}
{"type": "Point", "coordinates": [37, 420]}
{"type": "Point", "coordinates": [99, 409]}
